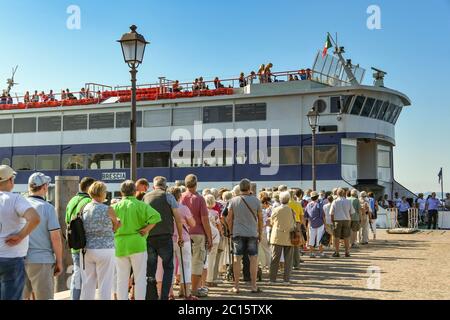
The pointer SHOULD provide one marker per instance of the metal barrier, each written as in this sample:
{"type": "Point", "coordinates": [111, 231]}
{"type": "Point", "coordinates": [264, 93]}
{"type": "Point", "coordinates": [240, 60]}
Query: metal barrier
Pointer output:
{"type": "Point", "coordinates": [392, 218]}
{"type": "Point", "coordinates": [413, 218]}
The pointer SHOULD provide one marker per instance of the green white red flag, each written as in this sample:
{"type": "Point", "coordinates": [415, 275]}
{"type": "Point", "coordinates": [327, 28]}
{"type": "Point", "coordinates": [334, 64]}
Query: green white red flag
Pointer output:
{"type": "Point", "coordinates": [327, 46]}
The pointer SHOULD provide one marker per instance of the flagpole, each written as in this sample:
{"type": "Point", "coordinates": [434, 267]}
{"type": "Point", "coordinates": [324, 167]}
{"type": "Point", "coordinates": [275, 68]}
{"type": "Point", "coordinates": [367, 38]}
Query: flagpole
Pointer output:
{"type": "Point", "coordinates": [442, 184]}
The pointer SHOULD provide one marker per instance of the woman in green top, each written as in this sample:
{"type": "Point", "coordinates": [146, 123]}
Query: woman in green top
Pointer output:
{"type": "Point", "coordinates": [137, 219]}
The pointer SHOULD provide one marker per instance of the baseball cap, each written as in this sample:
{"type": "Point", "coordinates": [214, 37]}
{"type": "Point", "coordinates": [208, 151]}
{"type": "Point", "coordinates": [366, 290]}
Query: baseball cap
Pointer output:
{"type": "Point", "coordinates": [38, 179]}
{"type": "Point", "coordinates": [6, 173]}
{"type": "Point", "coordinates": [314, 194]}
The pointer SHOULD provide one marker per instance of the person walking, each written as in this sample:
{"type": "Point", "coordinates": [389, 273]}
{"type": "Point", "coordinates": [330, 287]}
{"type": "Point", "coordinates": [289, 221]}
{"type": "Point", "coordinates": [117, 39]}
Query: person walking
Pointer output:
{"type": "Point", "coordinates": [316, 222]}
{"type": "Point", "coordinates": [44, 257]}
{"type": "Point", "coordinates": [130, 240]}
{"type": "Point", "coordinates": [283, 222]}
{"type": "Point", "coordinates": [403, 207]}
{"type": "Point", "coordinates": [432, 207]}
{"type": "Point", "coordinates": [365, 218]}
{"type": "Point", "coordinates": [356, 217]}
{"type": "Point", "coordinates": [373, 214]}
{"type": "Point", "coordinates": [341, 213]}
{"type": "Point", "coordinates": [299, 218]}
{"type": "Point", "coordinates": [73, 208]}
{"type": "Point", "coordinates": [246, 223]}
{"type": "Point", "coordinates": [159, 241]}
{"type": "Point", "coordinates": [17, 220]}
{"type": "Point", "coordinates": [100, 222]}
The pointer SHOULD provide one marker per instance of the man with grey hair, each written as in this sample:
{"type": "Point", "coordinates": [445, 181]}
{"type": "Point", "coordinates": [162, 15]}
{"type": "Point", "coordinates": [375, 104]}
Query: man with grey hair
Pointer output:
{"type": "Point", "coordinates": [245, 221]}
{"type": "Point", "coordinates": [159, 241]}
{"type": "Point", "coordinates": [283, 188]}
{"type": "Point", "coordinates": [356, 217]}
{"type": "Point", "coordinates": [341, 216]}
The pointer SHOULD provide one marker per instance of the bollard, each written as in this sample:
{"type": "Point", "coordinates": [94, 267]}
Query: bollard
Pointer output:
{"type": "Point", "coordinates": [65, 189]}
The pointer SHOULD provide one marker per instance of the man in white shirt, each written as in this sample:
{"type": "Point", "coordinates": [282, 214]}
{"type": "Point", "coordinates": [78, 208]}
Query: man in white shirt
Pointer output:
{"type": "Point", "coordinates": [17, 220]}
{"type": "Point", "coordinates": [341, 212]}
{"type": "Point", "coordinates": [421, 203]}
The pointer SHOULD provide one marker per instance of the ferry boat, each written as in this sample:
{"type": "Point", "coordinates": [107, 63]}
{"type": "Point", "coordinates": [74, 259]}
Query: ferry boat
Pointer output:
{"type": "Point", "coordinates": [90, 136]}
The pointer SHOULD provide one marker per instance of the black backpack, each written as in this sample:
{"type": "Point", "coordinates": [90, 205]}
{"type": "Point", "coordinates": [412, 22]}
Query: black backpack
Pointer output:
{"type": "Point", "coordinates": [76, 236]}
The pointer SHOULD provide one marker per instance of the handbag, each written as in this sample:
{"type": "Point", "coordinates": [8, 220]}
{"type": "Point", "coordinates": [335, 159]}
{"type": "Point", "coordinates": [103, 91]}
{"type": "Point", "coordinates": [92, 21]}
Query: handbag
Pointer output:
{"type": "Point", "coordinates": [326, 238]}
{"type": "Point", "coordinates": [295, 235]}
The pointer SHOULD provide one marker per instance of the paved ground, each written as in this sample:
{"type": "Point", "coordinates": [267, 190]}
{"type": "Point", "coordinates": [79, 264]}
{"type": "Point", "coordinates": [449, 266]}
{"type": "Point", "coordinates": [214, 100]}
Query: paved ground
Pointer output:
{"type": "Point", "coordinates": [410, 267]}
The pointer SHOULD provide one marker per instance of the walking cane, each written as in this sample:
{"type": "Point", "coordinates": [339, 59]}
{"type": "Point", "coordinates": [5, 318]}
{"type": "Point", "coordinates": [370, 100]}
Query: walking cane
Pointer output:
{"type": "Point", "coordinates": [182, 270]}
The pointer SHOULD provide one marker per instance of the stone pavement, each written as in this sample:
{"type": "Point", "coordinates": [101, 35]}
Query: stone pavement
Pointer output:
{"type": "Point", "coordinates": [413, 266]}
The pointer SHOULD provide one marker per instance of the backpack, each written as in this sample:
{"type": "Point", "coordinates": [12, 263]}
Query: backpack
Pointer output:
{"type": "Point", "coordinates": [76, 236]}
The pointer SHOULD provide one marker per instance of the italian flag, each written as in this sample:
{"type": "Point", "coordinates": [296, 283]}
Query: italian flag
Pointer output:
{"type": "Point", "coordinates": [327, 46]}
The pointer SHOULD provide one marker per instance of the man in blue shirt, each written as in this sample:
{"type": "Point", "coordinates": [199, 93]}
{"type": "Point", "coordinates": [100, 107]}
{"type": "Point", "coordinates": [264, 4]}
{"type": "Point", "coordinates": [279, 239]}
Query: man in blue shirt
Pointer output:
{"type": "Point", "coordinates": [432, 206]}
{"type": "Point", "coordinates": [403, 207]}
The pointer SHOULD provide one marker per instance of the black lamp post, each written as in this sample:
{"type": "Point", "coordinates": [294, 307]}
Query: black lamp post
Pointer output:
{"type": "Point", "coordinates": [133, 48]}
{"type": "Point", "coordinates": [313, 119]}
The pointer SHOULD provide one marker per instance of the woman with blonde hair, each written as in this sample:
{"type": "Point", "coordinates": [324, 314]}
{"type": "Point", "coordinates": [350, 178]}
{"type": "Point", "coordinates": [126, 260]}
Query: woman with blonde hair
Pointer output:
{"type": "Point", "coordinates": [261, 73]}
{"type": "Point", "coordinates": [100, 222]}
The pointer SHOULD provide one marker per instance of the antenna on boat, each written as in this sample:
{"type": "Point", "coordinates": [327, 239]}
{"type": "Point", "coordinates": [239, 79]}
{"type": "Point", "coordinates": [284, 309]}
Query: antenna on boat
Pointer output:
{"type": "Point", "coordinates": [346, 64]}
{"type": "Point", "coordinates": [378, 76]}
{"type": "Point", "coordinates": [10, 82]}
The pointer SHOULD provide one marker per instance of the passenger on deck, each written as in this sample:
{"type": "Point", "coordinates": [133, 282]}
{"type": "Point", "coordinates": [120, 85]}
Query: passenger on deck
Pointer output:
{"type": "Point", "coordinates": [291, 77]}
{"type": "Point", "coordinates": [70, 95]}
{"type": "Point", "coordinates": [9, 100]}
{"type": "Point", "coordinates": [296, 78]}
{"type": "Point", "coordinates": [26, 97]}
{"type": "Point", "coordinates": [308, 74]}
{"type": "Point", "coordinates": [201, 84]}
{"type": "Point", "coordinates": [261, 74]}
{"type": "Point", "coordinates": [252, 77]}
{"type": "Point", "coordinates": [302, 74]}
{"type": "Point", "coordinates": [43, 97]}
{"type": "Point", "coordinates": [195, 86]}
{"type": "Point", "coordinates": [268, 73]}
{"type": "Point", "coordinates": [3, 99]}
{"type": "Point", "coordinates": [51, 96]}
{"type": "Point", "coordinates": [217, 83]}
{"type": "Point", "coordinates": [242, 81]}
{"type": "Point", "coordinates": [82, 93]}
{"type": "Point", "coordinates": [99, 95]}
{"type": "Point", "coordinates": [176, 86]}
{"type": "Point", "coordinates": [35, 97]}
{"type": "Point", "coordinates": [63, 95]}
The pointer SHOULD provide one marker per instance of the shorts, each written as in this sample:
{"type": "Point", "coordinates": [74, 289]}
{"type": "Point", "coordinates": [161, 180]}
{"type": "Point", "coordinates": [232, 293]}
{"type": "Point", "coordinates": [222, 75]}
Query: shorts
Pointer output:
{"type": "Point", "coordinates": [315, 236]}
{"type": "Point", "coordinates": [355, 226]}
{"type": "Point", "coordinates": [198, 253]}
{"type": "Point", "coordinates": [342, 229]}
{"type": "Point", "coordinates": [242, 245]}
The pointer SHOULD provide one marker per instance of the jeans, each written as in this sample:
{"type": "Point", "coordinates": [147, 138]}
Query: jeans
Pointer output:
{"type": "Point", "coordinates": [12, 278]}
{"type": "Point", "coordinates": [75, 283]}
{"type": "Point", "coordinates": [432, 218]}
{"type": "Point", "coordinates": [161, 246]}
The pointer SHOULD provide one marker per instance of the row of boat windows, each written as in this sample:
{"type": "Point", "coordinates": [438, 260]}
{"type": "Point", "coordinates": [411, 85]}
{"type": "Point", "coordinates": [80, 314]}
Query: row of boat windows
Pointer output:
{"type": "Point", "coordinates": [325, 154]}
{"type": "Point", "coordinates": [150, 118]}
{"type": "Point", "coordinates": [365, 107]}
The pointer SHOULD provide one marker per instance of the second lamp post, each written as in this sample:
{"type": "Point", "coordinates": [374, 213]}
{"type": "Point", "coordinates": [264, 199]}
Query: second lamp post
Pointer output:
{"type": "Point", "coordinates": [313, 119]}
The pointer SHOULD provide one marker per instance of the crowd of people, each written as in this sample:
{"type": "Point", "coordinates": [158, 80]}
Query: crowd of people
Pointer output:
{"type": "Point", "coordinates": [51, 96]}
{"type": "Point", "coordinates": [153, 240]}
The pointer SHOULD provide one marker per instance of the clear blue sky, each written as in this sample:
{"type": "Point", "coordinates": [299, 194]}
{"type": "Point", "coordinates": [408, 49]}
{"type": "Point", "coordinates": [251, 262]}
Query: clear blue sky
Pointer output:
{"type": "Point", "coordinates": [193, 38]}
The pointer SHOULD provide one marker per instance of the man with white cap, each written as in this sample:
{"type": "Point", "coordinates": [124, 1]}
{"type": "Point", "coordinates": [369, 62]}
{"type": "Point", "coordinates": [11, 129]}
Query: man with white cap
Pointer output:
{"type": "Point", "coordinates": [44, 258]}
{"type": "Point", "coordinates": [17, 221]}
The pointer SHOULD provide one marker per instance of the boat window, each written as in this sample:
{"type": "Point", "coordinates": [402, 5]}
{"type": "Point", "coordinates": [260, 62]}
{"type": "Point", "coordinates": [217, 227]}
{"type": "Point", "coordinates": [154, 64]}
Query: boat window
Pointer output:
{"type": "Point", "coordinates": [346, 103]}
{"type": "Point", "coordinates": [218, 114]}
{"type": "Point", "coordinates": [393, 115]}
{"type": "Point", "coordinates": [47, 124]}
{"type": "Point", "coordinates": [389, 112]}
{"type": "Point", "coordinates": [383, 110]}
{"type": "Point", "coordinates": [217, 158]}
{"type": "Point", "coordinates": [187, 159]}
{"type": "Point", "coordinates": [367, 107]}
{"type": "Point", "coordinates": [123, 119]}
{"type": "Point", "coordinates": [22, 125]}
{"type": "Point", "coordinates": [251, 112]}
{"type": "Point", "coordinates": [399, 111]}
{"type": "Point", "coordinates": [101, 121]}
{"type": "Point", "coordinates": [384, 159]}
{"type": "Point", "coordinates": [75, 122]}
{"type": "Point", "coordinates": [157, 118]}
{"type": "Point", "coordinates": [376, 109]}
{"type": "Point", "coordinates": [357, 106]}
{"type": "Point", "coordinates": [286, 156]}
{"type": "Point", "coordinates": [320, 105]}
{"type": "Point", "coordinates": [74, 162]}
{"type": "Point", "coordinates": [5, 125]}
{"type": "Point", "coordinates": [23, 163]}
{"type": "Point", "coordinates": [349, 154]}
{"type": "Point", "coordinates": [123, 161]}
{"type": "Point", "coordinates": [335, 104]}
{"type": "Point", "coordinates": [47, 162]}
{"type": "Point", "coordinates": [100, 161]}
{"type": "Point", "coordinates": [156, 159]}
{"type": "Point", "coordinates": [324, 154]}
{"type": "Point", "coordinates": [186, 116]}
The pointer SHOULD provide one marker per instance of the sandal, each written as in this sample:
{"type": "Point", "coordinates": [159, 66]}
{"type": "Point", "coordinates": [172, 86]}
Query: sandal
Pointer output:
{"type": "Point", "coordinates": [234, 290]}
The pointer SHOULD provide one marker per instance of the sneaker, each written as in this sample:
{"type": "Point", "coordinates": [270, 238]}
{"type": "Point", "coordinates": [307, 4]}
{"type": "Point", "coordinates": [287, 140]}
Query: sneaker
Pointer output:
{"type": "Point", "coordinates": [205, 289]}
{"type": "Point", "coordinates": [336, 255]}
{"type": "Point", "coordinates": [354, 246]}
{"type": "Point", "coordinates": [200, 294]}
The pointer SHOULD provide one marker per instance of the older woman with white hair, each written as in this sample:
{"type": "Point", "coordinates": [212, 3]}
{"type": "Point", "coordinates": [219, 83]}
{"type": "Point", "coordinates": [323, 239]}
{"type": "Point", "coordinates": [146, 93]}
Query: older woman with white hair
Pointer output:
{"type": "Point", "coordinates": [365, 218]}
{"type": "Point", "coordinates": [283, 222]}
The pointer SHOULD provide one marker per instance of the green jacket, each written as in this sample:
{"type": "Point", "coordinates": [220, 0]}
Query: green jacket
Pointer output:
{"type": "Point", "coordinates": [74, 206]}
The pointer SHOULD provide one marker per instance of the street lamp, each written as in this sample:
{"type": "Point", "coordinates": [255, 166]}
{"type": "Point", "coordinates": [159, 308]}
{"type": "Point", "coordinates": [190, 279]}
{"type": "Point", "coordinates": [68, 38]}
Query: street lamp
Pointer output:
{"type": "Point", "coordinates": [313, 119]}
{"type": "Point", "coordinates": [133, 48]}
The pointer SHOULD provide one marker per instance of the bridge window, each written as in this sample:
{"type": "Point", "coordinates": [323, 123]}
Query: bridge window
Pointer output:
{"type": "Point", "coordinates": [50, 162]}
{"type": "Point", "coordinates": [5, 126]}
{"type": "Point", "coordinates": [335, 104]}
{"type": "Point", "coordinates": [218, 114]}
{"type": "Point", "coordinates": [349, 154]}
{"type": "Point", "coordinates": [157, 118]}
{"type": "Point", "coordinates": [358, 105]}
{"type": "Point", "coordinates": [23, 163]}
{"type": "Point", "coordinates": [74, 162]}
{"type": "Point", "coordinates": [376, 109]}
{"type": "Point", "coordinates": [47, 124]}
{"type": "Point", "coordinates": [397, 115]}
{"type": "Point", "coordinates": [367, 107]}
{"type": "Point", "coordinates": [324, 154]}
{"type": "Point", "coordinates": [101, 121]}
{"type": "Point", "coordinates": [22, 125]}
{"type": "Point", "coordinates": [389, 112]}
{"type": "Point", "coordinates": [251, 112]}
{"type": "Point", "coordinates": [100, 161]}
{"type": "Point", "coordinates": [186, 116]}
{"type": "Point", "coordinates": [156, 159]}
{"type": "Point", "coordinates": [123, 119]}
{"type": "Point", "coordinates": [123, 160]}
{"type": "Point", "coordinates": [383, 110]}
{"type": "Point", "coordinates": [75, 122]}
{"type": "Point", "coordinates": [346, 103]}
